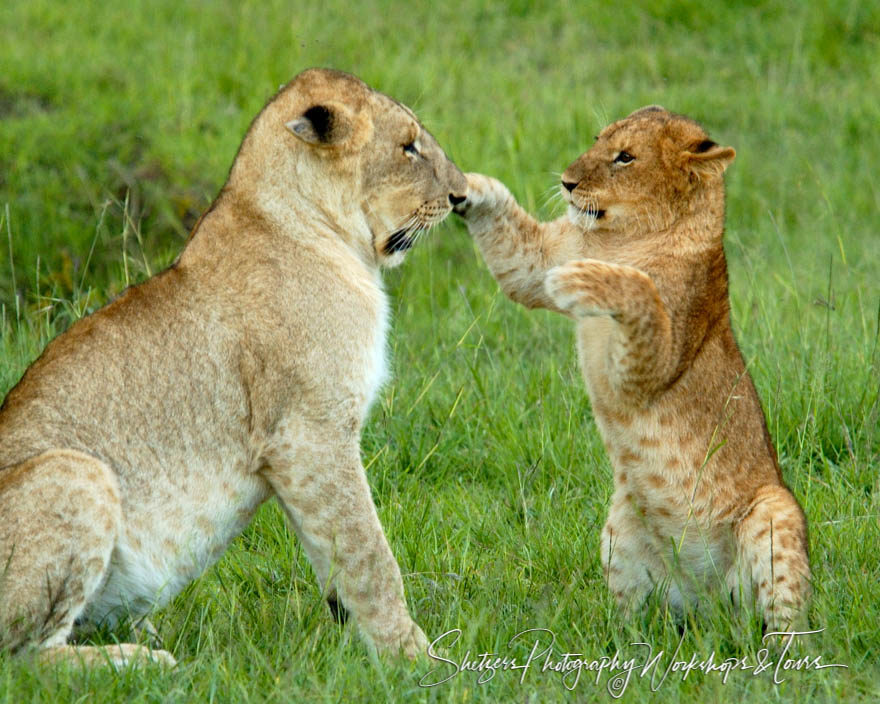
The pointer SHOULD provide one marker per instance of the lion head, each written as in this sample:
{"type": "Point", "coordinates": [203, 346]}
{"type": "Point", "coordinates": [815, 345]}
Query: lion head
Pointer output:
{"type": "Point", "coordinates": [644, 172]}
{"type": "Point", "coordinates": [330, 148]}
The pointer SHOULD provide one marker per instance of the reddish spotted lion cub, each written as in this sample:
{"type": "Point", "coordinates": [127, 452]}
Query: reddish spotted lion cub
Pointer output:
{"type": "Point", "coordinates": [638, 262]}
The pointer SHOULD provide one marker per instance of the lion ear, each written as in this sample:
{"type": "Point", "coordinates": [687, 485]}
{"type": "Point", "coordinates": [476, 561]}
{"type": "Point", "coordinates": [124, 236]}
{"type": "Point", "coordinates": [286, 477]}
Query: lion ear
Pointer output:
{"type": "Point", "coordinates": [705, 159]}
{"type": "Point", "coordinates": [647, 109]}
{"type": "Point", "coordinates": [323, 125]}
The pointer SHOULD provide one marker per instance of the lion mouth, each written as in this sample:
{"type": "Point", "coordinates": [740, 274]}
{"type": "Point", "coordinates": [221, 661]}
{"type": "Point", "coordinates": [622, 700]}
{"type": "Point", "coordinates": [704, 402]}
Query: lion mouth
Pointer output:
{"type": "Point", "coordinates": [593, 212]}
{"type": "Point", "coordinates": [400, 241]}
{"type": "Point", "coordinates": [412, 231]}
{"type": "Point", "coordinates": [589, 210]}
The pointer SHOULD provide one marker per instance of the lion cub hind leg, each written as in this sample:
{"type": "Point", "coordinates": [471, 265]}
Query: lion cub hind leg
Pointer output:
{"type": "Point", "coordinates": [323, 489]}
{"type": "Point", "coordinates": [61, 515]}
{"type": "Point", "coordinates": [772, 551]}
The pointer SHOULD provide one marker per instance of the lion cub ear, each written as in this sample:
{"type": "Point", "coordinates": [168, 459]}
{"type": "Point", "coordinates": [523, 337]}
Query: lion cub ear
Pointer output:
{"type": "Point", "coordinates": [705, 159]}
{"type": "Point", "coordinates": [323, 125]}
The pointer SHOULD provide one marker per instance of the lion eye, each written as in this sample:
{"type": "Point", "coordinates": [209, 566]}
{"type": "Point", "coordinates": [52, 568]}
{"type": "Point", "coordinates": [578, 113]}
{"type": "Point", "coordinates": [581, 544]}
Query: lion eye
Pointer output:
{"type": "Point", "coordinates": [410, 149]}
{"type": "Point", "coordinates": [624, 158]}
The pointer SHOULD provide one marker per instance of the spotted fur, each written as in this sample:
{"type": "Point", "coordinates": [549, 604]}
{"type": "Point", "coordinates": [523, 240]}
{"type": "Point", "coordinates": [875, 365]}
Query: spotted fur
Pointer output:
{"type": "Point", "coordinates": [638, 262]}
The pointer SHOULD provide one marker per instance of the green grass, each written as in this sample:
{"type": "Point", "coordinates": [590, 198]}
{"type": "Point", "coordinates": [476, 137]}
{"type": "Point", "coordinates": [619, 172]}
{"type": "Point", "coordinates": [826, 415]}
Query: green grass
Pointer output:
{"type": "Point", "coordinates": [117, 127]}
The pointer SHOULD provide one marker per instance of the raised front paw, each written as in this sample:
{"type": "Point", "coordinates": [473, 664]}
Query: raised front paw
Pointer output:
{"type": "Point", "coordinates": [484, 193]}
{"type": "Point", "coordinates": [584, 287]}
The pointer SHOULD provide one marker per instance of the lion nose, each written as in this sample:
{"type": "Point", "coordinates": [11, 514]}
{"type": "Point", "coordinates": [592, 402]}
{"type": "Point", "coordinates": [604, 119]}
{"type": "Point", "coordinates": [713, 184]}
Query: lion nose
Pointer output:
{"type": "Point", "coordinates": [569, 186]}
{"type": "Point", "coordinates": [455, 200]}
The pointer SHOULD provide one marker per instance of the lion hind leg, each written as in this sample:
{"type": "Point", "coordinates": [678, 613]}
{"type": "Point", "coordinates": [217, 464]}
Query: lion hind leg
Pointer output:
{"type": "Point", "coordinates": [62, 515]}
{"type": "Point", "coordinates": [632, 569]}
{"type": "Point", "coordinates": [119, 655]}
{"type": "Point", "coordinates": [772, 551]}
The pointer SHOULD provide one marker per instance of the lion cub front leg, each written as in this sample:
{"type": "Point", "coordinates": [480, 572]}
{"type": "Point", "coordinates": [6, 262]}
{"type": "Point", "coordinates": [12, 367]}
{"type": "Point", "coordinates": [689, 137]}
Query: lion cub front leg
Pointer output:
{"type": "Point", "coordinates": [640, 355]}
{"type": "Point", "coordinates": [323, 489]}
{"type": "Point", "coordinates": [631, 566]}
{"type": "Point", "coordinates": [518, 249]}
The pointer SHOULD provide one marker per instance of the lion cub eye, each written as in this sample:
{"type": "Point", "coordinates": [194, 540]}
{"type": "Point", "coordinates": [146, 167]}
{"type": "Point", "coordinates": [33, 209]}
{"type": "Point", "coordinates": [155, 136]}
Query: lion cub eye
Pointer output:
{"type": "Point", "coordinates": [624, 158]}
{"type": "Point", "coordinates": [411, 149]}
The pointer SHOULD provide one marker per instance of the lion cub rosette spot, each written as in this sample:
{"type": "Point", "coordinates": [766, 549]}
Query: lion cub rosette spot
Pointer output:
{"type": "Point", "coordinates": [700, 506]}
{"type": "Point", "coordinates": [128, 463]}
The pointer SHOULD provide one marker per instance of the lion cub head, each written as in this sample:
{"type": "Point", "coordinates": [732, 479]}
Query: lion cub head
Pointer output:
{"type": "Point", "coordinates": [644, 173]}
{"type": "Point", "coordinates": [329, 148]}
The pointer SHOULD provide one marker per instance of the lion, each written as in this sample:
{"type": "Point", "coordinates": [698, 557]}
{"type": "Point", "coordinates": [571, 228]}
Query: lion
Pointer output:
{"type": "Point", "coordinates": [145, 437]}
{"type": "Point", "coordinates": [638, 261]}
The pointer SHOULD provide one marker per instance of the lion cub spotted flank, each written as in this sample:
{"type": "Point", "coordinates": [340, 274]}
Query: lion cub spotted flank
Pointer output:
{"type": "Point", "coordinates": [638, 263]}
{"type": "Point", "coordinates": [145, 437]}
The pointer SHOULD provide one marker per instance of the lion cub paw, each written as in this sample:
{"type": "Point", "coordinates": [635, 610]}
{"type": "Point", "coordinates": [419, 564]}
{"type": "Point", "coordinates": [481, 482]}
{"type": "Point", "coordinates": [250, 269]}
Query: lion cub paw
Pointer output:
{"type": "Point", "coordinates": [147, 656]}
{"type": "Point", "coordinates": [403, 640]}
{"type": "Point", "coordinates": [582, 288]}
{"type": "Point", "coordinates": [484, 193]}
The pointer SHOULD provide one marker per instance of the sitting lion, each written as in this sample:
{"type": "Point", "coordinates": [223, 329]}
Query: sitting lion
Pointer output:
{"type": "Point", "coordinates": [144, 438]}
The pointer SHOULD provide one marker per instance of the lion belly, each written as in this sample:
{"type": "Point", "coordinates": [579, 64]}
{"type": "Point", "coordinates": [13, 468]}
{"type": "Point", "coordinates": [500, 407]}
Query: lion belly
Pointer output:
{"type": "Point", "coordinates": [164, 545]}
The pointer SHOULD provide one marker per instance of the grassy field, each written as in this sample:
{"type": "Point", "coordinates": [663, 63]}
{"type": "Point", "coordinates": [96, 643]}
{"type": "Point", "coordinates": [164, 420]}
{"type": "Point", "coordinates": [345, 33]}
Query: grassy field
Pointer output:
{"type": "Point", "coordinates": [117, 126]}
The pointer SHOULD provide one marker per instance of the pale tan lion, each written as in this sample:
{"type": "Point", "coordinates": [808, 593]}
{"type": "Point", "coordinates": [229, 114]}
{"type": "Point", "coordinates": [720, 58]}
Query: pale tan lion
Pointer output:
{"type": "Point", "coordinates": [145, 437]}
{"type": "Point", "coordinates": [638, 262]}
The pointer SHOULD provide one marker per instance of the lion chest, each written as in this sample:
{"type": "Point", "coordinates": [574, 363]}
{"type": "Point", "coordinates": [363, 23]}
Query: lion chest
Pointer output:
{"type": "Point", "coordinates": [355, 364]}
{"type": "Point", "coordinates": [376, 362]}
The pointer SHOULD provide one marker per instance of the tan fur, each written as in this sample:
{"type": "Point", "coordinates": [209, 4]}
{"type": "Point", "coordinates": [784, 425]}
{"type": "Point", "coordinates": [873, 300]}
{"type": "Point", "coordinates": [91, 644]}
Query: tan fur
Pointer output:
{"type": "Point", "coordinates": [638, 262]}
{"type": "Point", "coordinates": [145, 437]}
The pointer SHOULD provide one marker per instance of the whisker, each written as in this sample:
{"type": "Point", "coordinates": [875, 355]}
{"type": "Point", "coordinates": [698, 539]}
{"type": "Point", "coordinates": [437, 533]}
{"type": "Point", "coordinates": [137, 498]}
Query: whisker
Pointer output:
{"type": "Point", "coordinates": [405, 225]}
{"type": "Point", "coordinates": [548, 196]}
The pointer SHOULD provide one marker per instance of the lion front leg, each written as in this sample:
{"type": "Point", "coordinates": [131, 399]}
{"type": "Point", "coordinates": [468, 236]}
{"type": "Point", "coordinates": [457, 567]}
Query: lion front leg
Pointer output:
{"type": "Point", "coordinates": [640, 355]}
{"type": "Point", "coordinates": [518, 249]}
{"type": "Point", "coordinates": [323, 489]}
{"type": "Point", "coordinates": [632, 568]}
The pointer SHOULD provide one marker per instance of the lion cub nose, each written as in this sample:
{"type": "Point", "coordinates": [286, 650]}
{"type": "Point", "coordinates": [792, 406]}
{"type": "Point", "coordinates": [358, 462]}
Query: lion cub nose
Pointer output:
{"type": "Point", "coordinates": [455, 200]}
{"type": "Point", "coordinates": [569, 186]}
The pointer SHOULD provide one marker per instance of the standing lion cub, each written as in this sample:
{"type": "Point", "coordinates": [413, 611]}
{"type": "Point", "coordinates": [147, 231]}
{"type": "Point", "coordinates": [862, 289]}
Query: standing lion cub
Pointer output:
{"type": "Point", "coordinates": [145, 437]}
{"type": "Point", "coordinates": [699, 500]}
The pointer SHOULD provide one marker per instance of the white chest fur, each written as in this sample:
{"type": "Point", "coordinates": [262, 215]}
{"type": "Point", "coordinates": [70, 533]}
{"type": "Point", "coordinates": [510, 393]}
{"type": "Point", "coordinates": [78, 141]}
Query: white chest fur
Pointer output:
{"type": "Point", "coordinates": [377, 360]}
